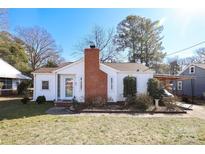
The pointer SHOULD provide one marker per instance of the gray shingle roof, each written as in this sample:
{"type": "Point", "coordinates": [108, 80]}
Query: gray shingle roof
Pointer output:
{"type": "Point", "coordinates": [200, 65]}
{"type": "Point", "coordinates": [51, 69]}
{"type": "Point", "coordinates": [118, 66]}
{"type": "Point", "coordinates": [129, 67]}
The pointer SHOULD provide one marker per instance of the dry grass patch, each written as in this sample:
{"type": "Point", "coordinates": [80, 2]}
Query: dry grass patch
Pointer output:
{"type": "Point", "coordinates": [102, 130]}
{"type": "Point", "coordinates": [28, 124]}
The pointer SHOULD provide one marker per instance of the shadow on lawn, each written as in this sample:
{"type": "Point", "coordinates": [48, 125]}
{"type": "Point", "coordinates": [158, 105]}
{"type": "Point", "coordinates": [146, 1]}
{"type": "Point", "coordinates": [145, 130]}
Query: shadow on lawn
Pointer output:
{"type": "Point", "coordinates": [13, 109]}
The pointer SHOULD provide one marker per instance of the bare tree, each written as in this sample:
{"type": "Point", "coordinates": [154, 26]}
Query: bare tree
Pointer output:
{"type": "Point", "coordinates": [201, 55]}
{"type": "Point", "coordinates": [188, 60]}
{"type": "Point", "coordinates": [102, 38]}
{"type": "Point", "coordinates": [40, 46]}
{"type": "Point", "coordinates": [3, 19]}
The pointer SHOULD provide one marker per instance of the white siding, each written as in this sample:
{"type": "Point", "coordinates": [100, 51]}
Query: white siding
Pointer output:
{"type": "Point", "coordinates": [142, 80]}
{"type": "Point", "coordinates": [76, 71]}
{"type": "Point", "coordinates": [38, 91]}
{"type": "Point", "coordinates": [117, 92]}
{"type": "Point", "coordinates": [112, 94]}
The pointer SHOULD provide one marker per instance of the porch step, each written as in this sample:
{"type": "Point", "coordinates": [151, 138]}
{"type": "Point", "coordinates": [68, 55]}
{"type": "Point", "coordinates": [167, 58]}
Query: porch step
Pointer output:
{"type": "Point", "coordinates": [63, 103]}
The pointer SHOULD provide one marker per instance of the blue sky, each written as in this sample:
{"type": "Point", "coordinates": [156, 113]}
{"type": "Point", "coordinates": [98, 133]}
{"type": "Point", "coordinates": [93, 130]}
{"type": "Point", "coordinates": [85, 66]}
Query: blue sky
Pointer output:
{"type": "Point", "coordinates": [182, 27]}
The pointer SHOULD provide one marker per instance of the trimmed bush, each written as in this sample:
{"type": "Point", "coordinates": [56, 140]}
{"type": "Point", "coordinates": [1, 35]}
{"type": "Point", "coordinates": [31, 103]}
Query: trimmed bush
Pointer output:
{"type": "Point", "coordinates": [154, 90]}
{"type": "Point", "coordinates": [143, 102]}
{"type": "Point", "coordinates": [41, 99]}
{"type": "Point", "coordinates": [129, 86]}
{"type": "Point", "coordinates": [130, 100]}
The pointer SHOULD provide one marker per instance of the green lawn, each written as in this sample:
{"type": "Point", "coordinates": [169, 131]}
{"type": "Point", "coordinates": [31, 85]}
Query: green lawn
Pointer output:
{"type": "Point", "coordinates": [28, 124]}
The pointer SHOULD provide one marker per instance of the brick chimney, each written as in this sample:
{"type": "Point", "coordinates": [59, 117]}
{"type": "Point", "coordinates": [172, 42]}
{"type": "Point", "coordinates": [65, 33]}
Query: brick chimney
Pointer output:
{"type": "Point", "coordinates": [95, 79]}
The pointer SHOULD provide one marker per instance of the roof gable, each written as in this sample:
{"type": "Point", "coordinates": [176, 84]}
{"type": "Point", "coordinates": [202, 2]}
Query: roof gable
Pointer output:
{"type": "Point", "coordinates": [121, 67]}
{"type": "Point", "coordinates": [51, 69]}
{"type": "Point", "coordinates": [202, 66]}
{"type": "Point", "coordinates": [8, 71]}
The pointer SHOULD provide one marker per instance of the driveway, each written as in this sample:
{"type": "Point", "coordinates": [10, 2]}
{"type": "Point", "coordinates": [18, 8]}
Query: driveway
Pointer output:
{"type": "Point", "coordinates": [198, 111]}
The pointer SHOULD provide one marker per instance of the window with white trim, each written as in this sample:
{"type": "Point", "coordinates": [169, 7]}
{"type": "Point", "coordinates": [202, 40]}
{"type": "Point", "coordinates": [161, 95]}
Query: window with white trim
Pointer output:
{"type": "Point", "coordinates": [179, 85]}
{"type": "Point", "coordinates": [191, 69]}
{"type": "Point", "coordinates": [111, 83]}
{"type": "Point", "coordinates": [81, 83]}
{"type": "Point", "coordinates": [45, 85]}
{"type": "Point", "coordinates": [6, 83]}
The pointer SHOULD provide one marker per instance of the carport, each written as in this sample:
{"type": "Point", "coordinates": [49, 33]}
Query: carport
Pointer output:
{"type": "Point", "coordinates": [168, 80]}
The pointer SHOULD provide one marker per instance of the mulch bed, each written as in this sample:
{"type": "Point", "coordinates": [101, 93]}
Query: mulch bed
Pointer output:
{"type": "Point", "coordinates": [131, 111]}
{"type": "Point", "coordinates": [119, 109]}
{"type": "Point", "coordinates": [115, 108]}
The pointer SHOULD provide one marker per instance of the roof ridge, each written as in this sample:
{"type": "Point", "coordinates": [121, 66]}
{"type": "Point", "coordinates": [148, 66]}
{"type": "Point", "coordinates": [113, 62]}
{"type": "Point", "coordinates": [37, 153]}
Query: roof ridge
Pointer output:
{"type": "Point", "coordinates": [122, 63]}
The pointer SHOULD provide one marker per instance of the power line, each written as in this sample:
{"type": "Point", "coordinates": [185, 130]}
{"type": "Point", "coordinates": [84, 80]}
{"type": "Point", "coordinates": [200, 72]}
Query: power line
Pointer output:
{"type": "Point", "coordinates": [202, 42]}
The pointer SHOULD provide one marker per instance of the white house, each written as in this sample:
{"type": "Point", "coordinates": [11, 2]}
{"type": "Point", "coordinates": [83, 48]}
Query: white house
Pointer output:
{"type": "Point", "coordinates": [10, 77]}
{"type": "Point", "coordinates": [88, 78]}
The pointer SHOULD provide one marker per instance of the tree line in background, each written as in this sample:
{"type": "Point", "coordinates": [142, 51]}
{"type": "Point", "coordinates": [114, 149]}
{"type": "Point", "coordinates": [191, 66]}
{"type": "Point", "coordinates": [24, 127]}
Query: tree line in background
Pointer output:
{"type": "Point", "coordinates": [136, 39]}
{"type": "Point", "coordinates": [176, 64]}
{"type": "Point", "coordinates": [29, 48]}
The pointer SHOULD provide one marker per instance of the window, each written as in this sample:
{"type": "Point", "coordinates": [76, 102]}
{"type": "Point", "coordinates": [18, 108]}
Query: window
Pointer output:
{"type": "Point", "coordinates": [6, 82]}
{"type": "Point", "coordinates": [192, 70]}
{"type": "Point", "coordinates": [111, 83]}
{"type": "Point", "coordinates": [179, 85]}
{"type": "Point", "coordinates": [81, 83]}
{"type": "Point", "coordinates": [45, 85]}
{"type": "Point", "coordinates": [58, 86]}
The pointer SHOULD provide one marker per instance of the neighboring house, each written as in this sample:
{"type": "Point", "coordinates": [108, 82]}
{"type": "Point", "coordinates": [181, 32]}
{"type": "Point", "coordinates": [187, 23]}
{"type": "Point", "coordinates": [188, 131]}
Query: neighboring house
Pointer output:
{"type": "Point", "coordinates": [194, 86]}
{"type": "Point", "coordinates": [87, 79]}
{"type": "Point", "coordinates": [10, 78]}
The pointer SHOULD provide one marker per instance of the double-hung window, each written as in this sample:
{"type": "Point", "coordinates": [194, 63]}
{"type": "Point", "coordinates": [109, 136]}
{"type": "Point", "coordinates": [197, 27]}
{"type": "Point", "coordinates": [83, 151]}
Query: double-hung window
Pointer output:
{"type": "Point", "coordinates": [179, 85]}
{"type": "Point", "coordinates": [81, 84]}
{"type": "Point", "coordinates": [111, 83]}
{"type": "Point", "coordinates": [6, 83]}
{"type": "Point", "coordinates": [192, 70]}
{"type": "Point", "coordinates": [45, 85]}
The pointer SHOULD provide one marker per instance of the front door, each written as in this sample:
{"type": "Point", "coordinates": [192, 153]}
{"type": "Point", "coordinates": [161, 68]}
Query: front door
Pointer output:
{"type": "Point", "coordinates": [68, 88]}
